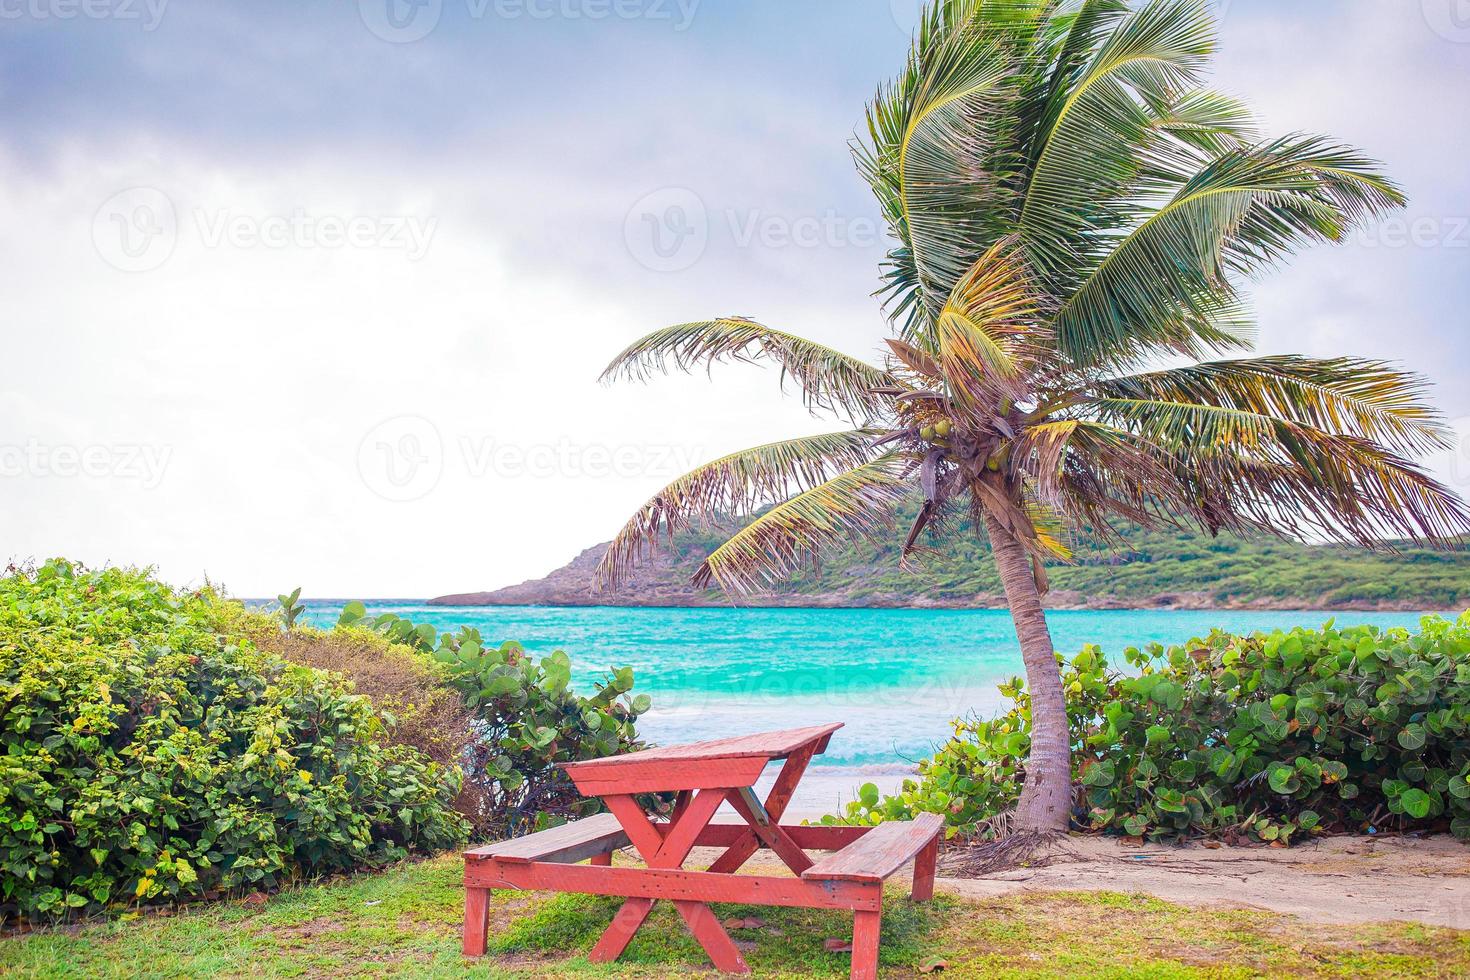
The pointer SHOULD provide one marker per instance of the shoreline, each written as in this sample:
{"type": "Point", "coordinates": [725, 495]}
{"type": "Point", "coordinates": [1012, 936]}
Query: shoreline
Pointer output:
{"type": "Point", "coordinates": [1163, 603]}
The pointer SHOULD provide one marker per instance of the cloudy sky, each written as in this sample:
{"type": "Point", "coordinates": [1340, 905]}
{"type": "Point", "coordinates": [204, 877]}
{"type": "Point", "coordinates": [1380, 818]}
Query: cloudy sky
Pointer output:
{"type": "Point", "coordinates": [316, 292]}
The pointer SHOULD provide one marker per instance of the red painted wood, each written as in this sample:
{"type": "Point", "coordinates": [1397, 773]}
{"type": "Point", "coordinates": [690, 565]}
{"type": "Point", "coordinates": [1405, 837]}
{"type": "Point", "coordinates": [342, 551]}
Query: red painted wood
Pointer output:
{"type": "Point", "coordinates": [924, 870]}
{"type": "Point", "coordinates": [866, 927]}
{"type": "Point", "coordinates": [766, 745]}
{"type": "Point", "coordinates": [713, 937]}
{"type": "Point", "coordinates": [725, 768]}
{"type": "Point", "coordinates": [770, 834]}
{"type": "Point", "coordinates": [635, 824]}
{"type": "Point", "coordinates": [776, 802]}
{"type": "Point", "coordinates": [625, 925]}
{"type": "Point", "coordinates": [680, 838]}
{"type": "Point", "coordinates": [476, 920]}
{"type": "Point", "coordinates": [785, 786]}
{"type": "Point", "coordinates": [675, 885]}
{"type": "Point", "coordinates": [681, 803]}
{"type": "Point", "coordinates": [815, 838]}
{"type": "Point", "coordinates": [668, 851]}
{"type": "Point", "coordinates": [667, 776]}
{"type": "Point", "coordinates": [571, 842]}
{"type": "Point", "coordinates": [880, 852]}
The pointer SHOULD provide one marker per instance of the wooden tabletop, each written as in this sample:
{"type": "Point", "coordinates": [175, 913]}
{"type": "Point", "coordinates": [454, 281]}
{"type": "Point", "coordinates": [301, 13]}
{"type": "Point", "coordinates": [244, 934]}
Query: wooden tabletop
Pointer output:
{"type": "Point", "coordinates": [727, 762]}
{"type": "Point", "coordinates": [766, 745]}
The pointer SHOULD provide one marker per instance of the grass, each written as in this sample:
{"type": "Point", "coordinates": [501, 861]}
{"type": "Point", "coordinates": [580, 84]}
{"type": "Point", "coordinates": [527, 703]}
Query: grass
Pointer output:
{"type": "Point", "coordinates": [405, 922]}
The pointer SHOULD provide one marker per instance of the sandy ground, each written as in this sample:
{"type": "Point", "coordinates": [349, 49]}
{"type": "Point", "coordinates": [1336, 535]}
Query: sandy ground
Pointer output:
{"type": "Point", "coordinates": [1340, 880]}
{"type": "Point", "coordinates": [1337, 880]}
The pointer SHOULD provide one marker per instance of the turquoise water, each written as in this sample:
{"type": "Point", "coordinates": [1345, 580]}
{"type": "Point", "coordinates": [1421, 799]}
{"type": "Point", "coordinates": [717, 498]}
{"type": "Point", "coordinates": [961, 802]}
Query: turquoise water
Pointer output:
{"type": "Point", "coordinates": [895, 676]}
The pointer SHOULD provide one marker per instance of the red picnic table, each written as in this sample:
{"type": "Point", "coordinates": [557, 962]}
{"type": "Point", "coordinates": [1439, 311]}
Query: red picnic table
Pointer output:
{"type": "Point", "coordinates": [703, 776]}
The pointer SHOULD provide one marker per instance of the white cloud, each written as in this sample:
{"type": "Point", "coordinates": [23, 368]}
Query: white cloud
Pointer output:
{"type": "Point", "coordinates": [258, 371]}
{"type": "Point", "coordinates": [1375, 75]}
{"type": "Point", "coordinates": [255, 373]}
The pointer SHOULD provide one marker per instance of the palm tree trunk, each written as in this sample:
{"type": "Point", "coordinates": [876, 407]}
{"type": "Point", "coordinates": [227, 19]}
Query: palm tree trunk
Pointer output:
{"type": "Point", "coordinates": [1046, 796]}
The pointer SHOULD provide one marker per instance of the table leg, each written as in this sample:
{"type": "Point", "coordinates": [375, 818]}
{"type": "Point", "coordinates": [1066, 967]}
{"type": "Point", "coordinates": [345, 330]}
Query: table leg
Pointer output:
{"type": "Point", "coordinates": [765, 827]}
{"type": "Point", "coordinates": [865, 929]}
{"type": "Point", "coordinates": [635, 823]}
{"type": "Point", "coordinates": [476, 920]}
{"type": "Point", "coordinates": [779, 798]}
{"type": "Point", "coordinates": [713, 937]}
{"type": "Point", "coordinates": [668, 850]}
{"type": "Point", "coordinates": [924, 870]}
{"type": "Point", "coordinates": [681, 803]}
{"type": "Point", "coordinates": [625, 926]}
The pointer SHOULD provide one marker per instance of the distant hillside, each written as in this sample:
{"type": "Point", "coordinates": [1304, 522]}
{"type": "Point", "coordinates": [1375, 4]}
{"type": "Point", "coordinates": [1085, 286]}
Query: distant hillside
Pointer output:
{"type": "Point", "coordinates": [1156, 570]}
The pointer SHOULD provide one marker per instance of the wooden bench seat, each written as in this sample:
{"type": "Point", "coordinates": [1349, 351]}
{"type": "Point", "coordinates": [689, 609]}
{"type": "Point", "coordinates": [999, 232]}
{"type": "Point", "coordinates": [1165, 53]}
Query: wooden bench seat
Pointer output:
{"type": "Point", "coordinates": [579, 840]}
{"type": "Point", "coordinates": [878, 854]}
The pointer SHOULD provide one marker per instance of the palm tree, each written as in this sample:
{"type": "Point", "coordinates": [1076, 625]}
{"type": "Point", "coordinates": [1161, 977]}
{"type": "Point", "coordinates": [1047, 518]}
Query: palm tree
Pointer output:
{"type": "Point", "coordinates": [1074, 216]}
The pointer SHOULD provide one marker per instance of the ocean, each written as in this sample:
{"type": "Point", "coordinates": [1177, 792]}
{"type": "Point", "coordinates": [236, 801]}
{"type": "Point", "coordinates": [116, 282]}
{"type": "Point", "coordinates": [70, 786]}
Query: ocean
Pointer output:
{"type": "Point", "coordinates": [896, 677]}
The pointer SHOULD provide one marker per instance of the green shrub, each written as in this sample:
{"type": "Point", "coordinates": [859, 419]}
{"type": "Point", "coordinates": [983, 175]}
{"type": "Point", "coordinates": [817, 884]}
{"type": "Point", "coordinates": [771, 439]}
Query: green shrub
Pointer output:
{"type": "Point", "coordinates": [152, 754]}
{"type": "Point", "coordinates": [527, 720]}
{"type": "Point", "coordinates": [1262, 737]}
{"type": "Point", "coordinates": [411, 693]}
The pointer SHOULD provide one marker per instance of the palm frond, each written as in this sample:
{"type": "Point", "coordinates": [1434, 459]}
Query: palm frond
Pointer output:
{"type": "Point", "coordinates": [1368, 399]}
{"type": "Point", "coordinates": [780, 541]}
{"type": "Point", "coordinates": [1049, 525]}
{"type": "Point", "coordinates": [1207, 121]}
{"type": "Point", "coordinates": [934, 139]}
{"type": "Point", "coordinates": [733, 487]}
{"type": "Point", "coordinates": [1186, 426]}
{"type": "Point", "coordinates": [915, 360]}
{"type": "Point", "coordinates": [1074, 36]}
{"type": "Point", "coordinates": [1189, 133]}
{"type": "Point", "coordinates": [1090, 148]}
{"type": "Point", "coordinates": [984, 335]}
{"type": "Point", "coordinates": [1237, 470]}
{"type": "Point", "coordinates": [1246, 209]}
{"type": "Point", "coordinates": [1095, 491]}
{"type": "Point", "coordinates": [1335, 487]}
{"type": "Point", "coordinates": [829, 379]}
{"type": "Point", "coordinates": [1058, 456]}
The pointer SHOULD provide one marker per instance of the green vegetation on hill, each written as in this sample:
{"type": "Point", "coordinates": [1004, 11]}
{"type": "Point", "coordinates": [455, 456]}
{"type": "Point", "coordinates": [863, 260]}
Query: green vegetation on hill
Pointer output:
{"type": "Point", "coordinates": [1151, 563]}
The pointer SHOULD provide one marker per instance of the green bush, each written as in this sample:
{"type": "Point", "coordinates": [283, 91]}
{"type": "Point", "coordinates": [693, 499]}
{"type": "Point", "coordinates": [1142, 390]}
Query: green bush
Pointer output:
{"type": "Point", "coordinates": [410, 691]}
{"type": "Point", "coordinates": [1262, 737]}
{"type": "Point", "coordinates": [152, 754]}
{"type": "Point", "coordinates": [527, 720]}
